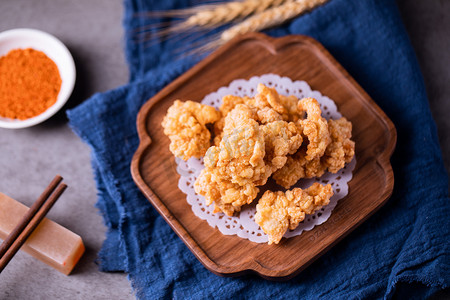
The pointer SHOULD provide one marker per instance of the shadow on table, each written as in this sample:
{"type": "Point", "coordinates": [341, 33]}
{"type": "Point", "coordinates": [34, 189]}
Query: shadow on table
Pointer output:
{"type": "Point", "coordinates": [87, 263]}
{"type": "Point", "coordinates": [82, 90]}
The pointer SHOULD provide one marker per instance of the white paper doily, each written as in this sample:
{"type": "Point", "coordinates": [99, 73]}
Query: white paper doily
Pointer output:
{"type": "Point", "coordinates": [243, 223]}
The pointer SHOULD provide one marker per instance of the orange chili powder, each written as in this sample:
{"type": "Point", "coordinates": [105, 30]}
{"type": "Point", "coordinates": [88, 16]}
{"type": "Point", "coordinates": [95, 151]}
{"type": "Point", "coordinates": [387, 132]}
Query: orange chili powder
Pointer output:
{"type": "Point", "coordinates": [29, 83]}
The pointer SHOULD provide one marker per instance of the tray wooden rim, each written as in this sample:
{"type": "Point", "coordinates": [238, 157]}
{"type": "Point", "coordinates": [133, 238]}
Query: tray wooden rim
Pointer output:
{"type": "Point", "coordinates": [252, 266]}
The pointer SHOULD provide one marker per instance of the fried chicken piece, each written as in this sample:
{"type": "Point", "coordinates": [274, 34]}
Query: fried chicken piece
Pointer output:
{"type": "Point", "coordinates": [267, 105]}
{"type": "Point", "coordinates": [341, 149]}
{"type": "Point", "coordinates": [227, 197]}
{"type": "Point", "coordinates": [240, 155]}
{"type": "Point", "coordinates": [229, 102]}
{"type": "Point", "coordinates": [306, 162]}
{"type": "Point", "coordinates": [281, 139]}
{"type": "Point", "coordinates": [291, 104]}
{"type": "Point", "coordinates": [339, 152]}
{"type": "Point", "coordinates": [315, 128]}
{"type": "Point", "coordinates": [268, 115]}
{"type": "Point", "coordinates": [276, 212]}
{"type": "Point", "coordinates": [276, 106]}
{"type": "Point", "coordinates": [241, 115]}
{"type": "Point", "coordinates": [184, 124]}
{"type": "Point", "coordinates": [297, 167]}
{"type": "Point", "coordinates": [233, 168]}
{"type": "Point", "coordinates": [269, 98]}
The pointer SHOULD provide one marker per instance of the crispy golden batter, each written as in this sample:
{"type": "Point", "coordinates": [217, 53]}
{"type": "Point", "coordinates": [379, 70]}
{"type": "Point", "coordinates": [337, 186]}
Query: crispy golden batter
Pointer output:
{"type": "Point", "coordinates": [277, 212]}
{"type": "Point", "coordinates": [268, 105]}
{"type": "Point", "coordinates": [315, 128]}
{"type": "Point", "coordinates": [339, 152]}
{"type": "Point", "coordinates": [227, 197]}
{"type": "Point", "coordinates": [291, 105]}
{"type": "Point", "coordinates": [233, 168]}
{"type": "Point", "coordinates": [229, 102]}
{"type": "Point", "coordinates": [341, 149]}
{"type": "Point", "coordinates": [184, 124]}
{"type": "Point", "coordinates": [268, 98]}
{"type": "Point", "coordinates": [218, 130]}
{"type": "Point", "coordinates": [241, 115]}
{"type": "Point", "coordinates": [267, 115]}
{"type": "Point", "coordinates": [297, 167]}
{"type": "Point", "coordinates": [246, 157]}
{"type": "Point", "coordinates": [281, 139]}
{"type": "Point", "coordinates": [240, 155]}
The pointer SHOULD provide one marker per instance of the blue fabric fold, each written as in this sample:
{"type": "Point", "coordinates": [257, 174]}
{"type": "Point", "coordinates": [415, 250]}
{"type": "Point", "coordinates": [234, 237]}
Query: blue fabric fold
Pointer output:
{"type": "Point", "coordinates": [401, 250]}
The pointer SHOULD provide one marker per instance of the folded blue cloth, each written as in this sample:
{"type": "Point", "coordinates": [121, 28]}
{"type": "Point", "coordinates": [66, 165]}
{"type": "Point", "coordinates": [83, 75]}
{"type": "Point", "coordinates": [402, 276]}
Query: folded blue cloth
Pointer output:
{"type": "Point", "coordinates": [402, 250]}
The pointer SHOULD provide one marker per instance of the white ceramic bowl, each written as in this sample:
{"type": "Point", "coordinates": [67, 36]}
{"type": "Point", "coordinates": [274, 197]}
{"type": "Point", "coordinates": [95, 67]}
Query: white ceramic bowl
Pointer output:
{"type": "Point", "coordinates": [55, 50]}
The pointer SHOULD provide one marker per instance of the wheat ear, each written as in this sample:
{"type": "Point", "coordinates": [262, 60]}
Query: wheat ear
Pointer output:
{"type": "Point", "coordinates": [213, 15]}
{"type": "Point", "coordinates": [269, 18]}
{"type": "Point", "coordinates": [227, 12]}
{"type": "Point", "coordinates": [200, 18]}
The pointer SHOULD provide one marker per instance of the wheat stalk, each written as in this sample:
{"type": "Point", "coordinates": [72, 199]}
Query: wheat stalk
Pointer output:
{"type": "Point", "coordinates": [261, 14]}
{"type": "Point", "coordinates": [269, 18]}
{"type": "Point", "coordinates": [227, 12]}
{"type": "Point", "coordinates": [208, 16]}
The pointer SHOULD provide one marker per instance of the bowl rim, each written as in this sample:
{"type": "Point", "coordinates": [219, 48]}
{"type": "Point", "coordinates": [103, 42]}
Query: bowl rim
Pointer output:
{"type": "Point", "coordinates": [63, 94]}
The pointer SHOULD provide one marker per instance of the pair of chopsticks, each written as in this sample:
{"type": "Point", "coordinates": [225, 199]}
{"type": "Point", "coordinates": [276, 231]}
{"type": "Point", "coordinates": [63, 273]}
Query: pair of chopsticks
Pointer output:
{"type": "Point", "coordinates": [30, 221]}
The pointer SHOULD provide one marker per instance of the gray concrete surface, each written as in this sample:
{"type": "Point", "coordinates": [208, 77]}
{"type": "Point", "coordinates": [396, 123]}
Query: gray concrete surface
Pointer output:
{"type": "Point", "coordinates": [29, 158]}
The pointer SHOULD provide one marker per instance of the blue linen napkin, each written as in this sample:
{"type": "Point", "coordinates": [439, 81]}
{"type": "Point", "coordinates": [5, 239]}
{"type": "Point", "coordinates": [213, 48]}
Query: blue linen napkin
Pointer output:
{"type": "Point", "coordinates": [402, 250]}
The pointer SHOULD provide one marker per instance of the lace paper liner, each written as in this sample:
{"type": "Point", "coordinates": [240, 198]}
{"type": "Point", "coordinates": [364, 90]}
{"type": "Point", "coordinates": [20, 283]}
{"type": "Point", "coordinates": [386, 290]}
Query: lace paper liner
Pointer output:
{"type": "Point", "coordinates": [243, 223]}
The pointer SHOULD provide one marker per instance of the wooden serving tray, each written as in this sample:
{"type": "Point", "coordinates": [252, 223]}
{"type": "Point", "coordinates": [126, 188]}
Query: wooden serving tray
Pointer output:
{"type": "Point", "coordinates": [299, 58]}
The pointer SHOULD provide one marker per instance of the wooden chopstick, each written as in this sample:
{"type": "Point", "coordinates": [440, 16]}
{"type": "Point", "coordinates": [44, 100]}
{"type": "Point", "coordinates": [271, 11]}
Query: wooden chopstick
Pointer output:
{"type": "Point", "coordinates": [29, 215]}
{"type": "Point", "coordinates": [30, 221]}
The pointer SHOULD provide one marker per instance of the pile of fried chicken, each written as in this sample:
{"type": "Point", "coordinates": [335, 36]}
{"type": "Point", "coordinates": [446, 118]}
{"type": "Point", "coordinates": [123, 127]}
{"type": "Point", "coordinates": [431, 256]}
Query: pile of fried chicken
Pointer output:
{"type": "Point", "coordinates": [253, 139]}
